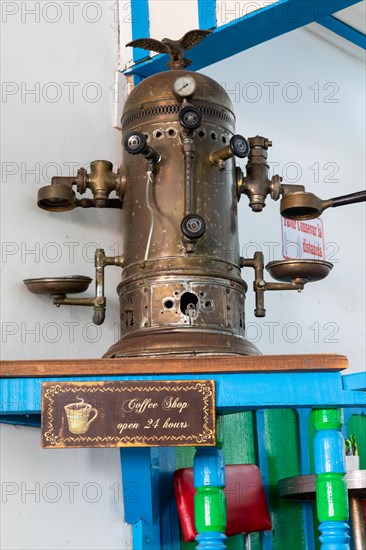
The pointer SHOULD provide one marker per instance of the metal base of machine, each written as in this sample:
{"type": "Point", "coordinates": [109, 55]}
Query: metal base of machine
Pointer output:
{"type": "Point", "coordinates": [184, 342]}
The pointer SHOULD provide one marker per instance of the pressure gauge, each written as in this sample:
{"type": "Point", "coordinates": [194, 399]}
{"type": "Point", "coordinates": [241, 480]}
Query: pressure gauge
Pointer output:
{"type": "Point", "coordinates": [184, 86]}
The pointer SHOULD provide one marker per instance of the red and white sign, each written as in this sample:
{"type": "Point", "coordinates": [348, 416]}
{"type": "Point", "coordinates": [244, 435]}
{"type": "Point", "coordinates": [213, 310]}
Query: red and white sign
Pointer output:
{"type": "Point", "coordinates": [303, 239]}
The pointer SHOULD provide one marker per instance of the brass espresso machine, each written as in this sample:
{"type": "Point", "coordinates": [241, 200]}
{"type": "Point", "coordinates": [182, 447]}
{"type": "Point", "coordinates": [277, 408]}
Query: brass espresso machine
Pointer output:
{"type": "Point", "coordinates": [178, 189]}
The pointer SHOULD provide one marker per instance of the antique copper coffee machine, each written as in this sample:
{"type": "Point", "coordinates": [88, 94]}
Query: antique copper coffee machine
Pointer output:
{"type": "Point", "coordinates": [178, 189]}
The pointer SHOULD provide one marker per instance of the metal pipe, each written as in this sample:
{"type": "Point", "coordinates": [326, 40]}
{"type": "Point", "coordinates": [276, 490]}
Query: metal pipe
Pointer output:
{"type": "Point", "coordinates": [260, 285]}
{"type": "Point", "coordinates": [257, 263]}
{"type": "Point", "coordinates": [149, 181]}
{"type": "Point", "coordinates": [99, 301]}
{"type": "Point", "coordinates": [357, 523]}
{"type": "Point", "coordinates": [89, 203]}
{"type": "Point", "coordinates": [188, 152]}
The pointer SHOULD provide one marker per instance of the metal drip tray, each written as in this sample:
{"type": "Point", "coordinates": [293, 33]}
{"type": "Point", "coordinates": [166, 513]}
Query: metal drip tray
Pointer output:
{"type": "Point", "coordinates": [59, 286]}
{"type": "Point", "coordinates": [288, 270]}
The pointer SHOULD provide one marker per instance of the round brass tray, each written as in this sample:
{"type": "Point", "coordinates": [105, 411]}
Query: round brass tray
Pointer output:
{"type": "Point", "coordinates": [288, 270]}
{"type": "Point", "coordinates": [60, 286]}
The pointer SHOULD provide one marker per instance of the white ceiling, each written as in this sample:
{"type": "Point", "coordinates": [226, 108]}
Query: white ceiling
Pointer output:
{"type": "Point", "coordinates": [355, 16]}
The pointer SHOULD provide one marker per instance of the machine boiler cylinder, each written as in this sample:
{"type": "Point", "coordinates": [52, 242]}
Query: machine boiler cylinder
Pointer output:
{"type": "Point", "coordinates": [180, 293]}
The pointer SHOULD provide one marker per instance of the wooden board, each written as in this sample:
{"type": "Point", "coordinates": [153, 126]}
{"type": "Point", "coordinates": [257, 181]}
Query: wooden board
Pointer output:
{"type": "Point", "coordinates": [172, 365]}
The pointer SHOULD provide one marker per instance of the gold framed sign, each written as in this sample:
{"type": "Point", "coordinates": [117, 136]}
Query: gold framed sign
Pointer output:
{"type": "Point", "coordinates": [128, 414]}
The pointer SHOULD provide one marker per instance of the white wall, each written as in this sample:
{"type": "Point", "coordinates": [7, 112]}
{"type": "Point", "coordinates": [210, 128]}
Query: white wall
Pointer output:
{"type": "Point", "coordinates": [63, 132]}
{"type": "Point", "coordinates": [39, 131]}
{"type": "Point", "coordinates": [329, 316]}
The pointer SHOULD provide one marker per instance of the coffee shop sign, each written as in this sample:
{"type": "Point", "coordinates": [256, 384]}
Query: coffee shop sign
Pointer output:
{"type": "Point", "coordinates": [127, 414]}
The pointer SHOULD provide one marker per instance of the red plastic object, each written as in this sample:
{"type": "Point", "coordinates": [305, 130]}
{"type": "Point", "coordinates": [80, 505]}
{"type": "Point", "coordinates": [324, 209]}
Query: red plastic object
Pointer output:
{"type": "Point", "coordinates": [246, 503]}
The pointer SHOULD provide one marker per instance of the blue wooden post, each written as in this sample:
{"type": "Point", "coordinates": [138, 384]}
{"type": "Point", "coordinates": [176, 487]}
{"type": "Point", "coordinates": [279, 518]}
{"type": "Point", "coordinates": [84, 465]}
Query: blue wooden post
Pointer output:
{"type": "Point", "coordinates": [260, 430]}
{"type": "Point", "coordinates": [331, 487]}
{"type": "Point", "coordinates": [148, 497]}
{"type": "Point", "coordinates": [210, 500]}
{"type": "Point", "coordinates": [307, 507]}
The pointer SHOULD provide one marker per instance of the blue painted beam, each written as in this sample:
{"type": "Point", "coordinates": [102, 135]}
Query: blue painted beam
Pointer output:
{"type": "Point", "coordinates": [248, 31]}
{"type": "Point", "coordinates": [30, 420]}
{"type": "Point", "coordinates": [207, 14]}
{"type": "Point", "coordinates": [345, 31]}
{"type": "Point", "coordinates": [234, 392]}
{"type": "Point", "coordinates": [140, 26]}
{"type": "Point", "coordinates": [355, 381]}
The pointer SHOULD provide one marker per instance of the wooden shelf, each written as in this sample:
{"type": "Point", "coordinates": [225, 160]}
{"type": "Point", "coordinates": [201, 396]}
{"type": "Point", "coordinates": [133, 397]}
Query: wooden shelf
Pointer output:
{"type": "Point", "coordinates": [173, 365]}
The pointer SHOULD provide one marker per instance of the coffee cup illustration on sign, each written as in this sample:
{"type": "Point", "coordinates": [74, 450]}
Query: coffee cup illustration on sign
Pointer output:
{"type": "Point", "coordinates": [77, 415]}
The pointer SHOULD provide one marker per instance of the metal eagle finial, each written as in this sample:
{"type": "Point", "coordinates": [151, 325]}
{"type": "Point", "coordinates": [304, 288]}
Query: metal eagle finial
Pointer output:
{"type": "Point", "coordinates": [175, 48]}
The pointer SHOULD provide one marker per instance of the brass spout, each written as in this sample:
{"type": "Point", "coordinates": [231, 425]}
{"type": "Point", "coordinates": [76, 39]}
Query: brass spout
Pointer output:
{"type": "Point", "coordinates": [60, 197]}
{"type": "Point", "coordinates": [306, 206]}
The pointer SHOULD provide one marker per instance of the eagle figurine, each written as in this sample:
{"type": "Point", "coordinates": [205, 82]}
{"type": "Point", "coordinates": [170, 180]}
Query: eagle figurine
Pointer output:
{"type": "Point", "coordinates": [175, 48]}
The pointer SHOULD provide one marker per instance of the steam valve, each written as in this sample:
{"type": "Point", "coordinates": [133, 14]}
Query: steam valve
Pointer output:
{"type": "Point", "coordinates": [238, 147]}
{"type": "Point", "coordinates": [190, 117]}
{"type": "Point", "coordinates": [193, 226]}
{"type": "Point", "coordinates": [135, 143]}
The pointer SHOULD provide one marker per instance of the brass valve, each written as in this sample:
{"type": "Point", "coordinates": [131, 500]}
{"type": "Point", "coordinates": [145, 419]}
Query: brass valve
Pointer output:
{"type": "Point", "coordinates": [257, 185]}
{"type": "Point", "coordinates": [60, 196]}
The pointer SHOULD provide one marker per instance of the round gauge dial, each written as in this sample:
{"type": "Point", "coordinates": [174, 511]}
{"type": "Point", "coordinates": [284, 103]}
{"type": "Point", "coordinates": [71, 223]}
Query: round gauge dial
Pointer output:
{"type": "Point", "coordinates": [184, 86]}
